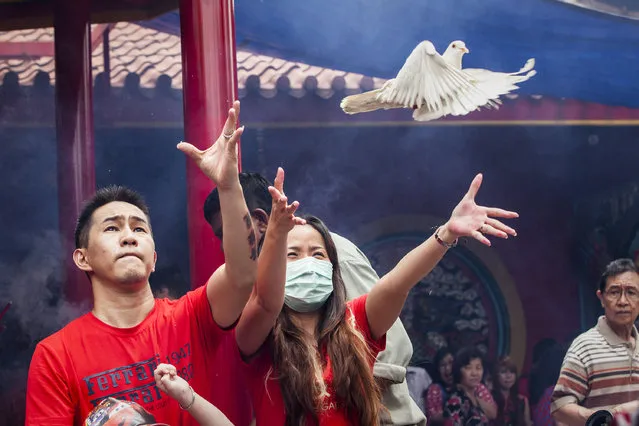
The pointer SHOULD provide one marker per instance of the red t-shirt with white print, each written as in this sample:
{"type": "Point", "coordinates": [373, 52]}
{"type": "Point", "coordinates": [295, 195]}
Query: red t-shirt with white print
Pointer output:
{"type": "Point", "coordinates": [74, 369]}
{"type": "Point", "coordinates": [266, 395]}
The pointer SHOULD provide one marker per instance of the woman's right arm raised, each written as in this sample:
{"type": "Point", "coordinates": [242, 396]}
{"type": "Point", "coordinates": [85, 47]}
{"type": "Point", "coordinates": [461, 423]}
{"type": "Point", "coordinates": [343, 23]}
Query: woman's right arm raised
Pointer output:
{"type": "Point", "coordinates": [267, 299]}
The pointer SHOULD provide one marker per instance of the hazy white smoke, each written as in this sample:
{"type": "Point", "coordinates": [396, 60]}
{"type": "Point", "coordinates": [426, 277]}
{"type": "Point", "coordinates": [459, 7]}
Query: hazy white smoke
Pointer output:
{"type": "Point", "coordinates": [38, 309]}
{"type": "Point", "coordinates": [31, 285]}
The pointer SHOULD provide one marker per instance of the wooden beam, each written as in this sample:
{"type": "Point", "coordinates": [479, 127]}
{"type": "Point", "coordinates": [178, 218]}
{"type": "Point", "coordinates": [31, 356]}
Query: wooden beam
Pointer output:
{"type": "Point", "coordinates": [96, 35]}
{"type": "Point", "coordinates": [36, 49]}
{"type": "Point", "coordinates": [15, 49]}
{"type": "Point", "coordinates": [27, 15]}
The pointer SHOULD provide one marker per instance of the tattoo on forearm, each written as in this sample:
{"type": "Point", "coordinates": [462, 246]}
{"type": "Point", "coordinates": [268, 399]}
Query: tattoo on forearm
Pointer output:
{"type": "Point", "coordinates": [251, 238]}
{"type": "Point", "coordinates": [252, 245]}
{"type": "Point", "coordinates": [247, 221]}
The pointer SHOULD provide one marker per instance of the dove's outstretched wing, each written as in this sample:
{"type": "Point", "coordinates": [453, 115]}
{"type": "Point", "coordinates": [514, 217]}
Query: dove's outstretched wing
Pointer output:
{"type": "Point", "coordinates": [491, 83]}
{"type": "Point", "coordinates": [427, 82]}
{"type": "Point", "coordinates": [496, 84]}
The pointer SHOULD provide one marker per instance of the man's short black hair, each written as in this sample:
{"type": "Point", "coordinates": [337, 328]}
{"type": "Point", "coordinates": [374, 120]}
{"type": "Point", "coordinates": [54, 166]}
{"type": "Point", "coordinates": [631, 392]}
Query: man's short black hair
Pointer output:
{"type": "Point", "coordinates": [617, 267]}
{"type": "Point", "coordinates": [256, 195]}
{"type": "Point", "coordinates": [101, 198]}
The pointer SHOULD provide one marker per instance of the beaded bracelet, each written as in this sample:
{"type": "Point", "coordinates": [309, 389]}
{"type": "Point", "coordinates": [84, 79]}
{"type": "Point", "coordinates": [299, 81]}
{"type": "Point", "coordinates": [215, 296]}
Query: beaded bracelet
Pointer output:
{"type": "Point", "coordinates": [444, 243]}
{"type": "Point", "coordinates": [192, 400]}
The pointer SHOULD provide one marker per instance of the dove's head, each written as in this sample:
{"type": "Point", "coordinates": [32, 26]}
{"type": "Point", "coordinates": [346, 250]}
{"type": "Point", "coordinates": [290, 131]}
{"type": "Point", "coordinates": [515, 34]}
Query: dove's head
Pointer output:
{"type": "Point", "coordinates": [458, 47]}
{"type": "Point", "coordinates": [454, 53]}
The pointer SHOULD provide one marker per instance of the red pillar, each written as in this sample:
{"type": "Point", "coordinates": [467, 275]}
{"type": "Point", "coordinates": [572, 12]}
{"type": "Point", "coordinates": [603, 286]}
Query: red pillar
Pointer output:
{"type": "Point", "coordinates": [209, 88]}
{"type": "Point", "coordinates": [74, 129]}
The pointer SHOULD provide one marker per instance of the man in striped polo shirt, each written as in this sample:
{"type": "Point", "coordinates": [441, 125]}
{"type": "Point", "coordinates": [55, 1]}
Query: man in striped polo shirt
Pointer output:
{"type": "Point", "coordinates": [601, 368]}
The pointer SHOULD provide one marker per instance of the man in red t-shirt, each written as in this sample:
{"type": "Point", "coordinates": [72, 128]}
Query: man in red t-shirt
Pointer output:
{"type": "Point", "coordinates": [113, 350]}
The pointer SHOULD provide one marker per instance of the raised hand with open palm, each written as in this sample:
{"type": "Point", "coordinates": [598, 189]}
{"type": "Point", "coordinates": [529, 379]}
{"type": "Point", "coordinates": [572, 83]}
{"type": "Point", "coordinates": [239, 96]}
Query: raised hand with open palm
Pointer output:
{"type": "Point", "coordinates": [220, 160]}
{"type": "Point", "coordinates": [471, 220]}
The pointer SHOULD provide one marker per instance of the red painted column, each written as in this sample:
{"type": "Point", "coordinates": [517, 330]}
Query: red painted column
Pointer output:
{"type": "Point", "coordinates": [74, 129]}
{"type": "Point", "coordinates": [209, 88]}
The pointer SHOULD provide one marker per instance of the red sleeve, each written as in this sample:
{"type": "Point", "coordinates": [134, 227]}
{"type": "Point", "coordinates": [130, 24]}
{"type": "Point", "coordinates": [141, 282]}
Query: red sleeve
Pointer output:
{"type": "Point", "coordinates": [195, 305]}
{"type": "Point", "coordinates": [484, 394]}
{"type": "Point", "coordinates": [358, 309]}
{"type": "Point", "coordinates": [434, 401]}
{"type": "Point", "coordinates": [259, 362]}
{"type": "Point", "coordinates": [49, 399]}
{"type": "Point", "coordinates": [254, 369]}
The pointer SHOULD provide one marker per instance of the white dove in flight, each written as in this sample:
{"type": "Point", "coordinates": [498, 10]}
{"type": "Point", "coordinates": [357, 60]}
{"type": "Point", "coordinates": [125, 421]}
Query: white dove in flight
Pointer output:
{"type": "Point", "coordinates": [435, 85]}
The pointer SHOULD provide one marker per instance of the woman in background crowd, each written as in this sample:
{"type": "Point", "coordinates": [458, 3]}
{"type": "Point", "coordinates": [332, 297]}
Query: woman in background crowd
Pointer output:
{"type": "Point", "coordinates": [437, 393]}
{"type": "Point", "coordinates": [512, 407]}
{"type": "Point", "coordinates": [465, 406]}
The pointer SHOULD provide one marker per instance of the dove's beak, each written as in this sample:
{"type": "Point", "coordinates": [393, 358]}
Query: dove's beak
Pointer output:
{"type": "Point", "coordinates": [465, 50]}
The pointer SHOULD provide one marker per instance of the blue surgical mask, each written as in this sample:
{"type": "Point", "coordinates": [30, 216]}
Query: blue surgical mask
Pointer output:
{"type": "Point", "coordinates": [309, 283]}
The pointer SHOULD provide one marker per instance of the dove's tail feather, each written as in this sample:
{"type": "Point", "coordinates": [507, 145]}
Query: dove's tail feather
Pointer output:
{"type": "Point", "coordinates": [529, 65]}
{"type": "Point", "coordinates": [361, 102]}
{"type": "Point", "coordinates": [527, 70]}
{"type": "Point", "coordinates": [364, 102]}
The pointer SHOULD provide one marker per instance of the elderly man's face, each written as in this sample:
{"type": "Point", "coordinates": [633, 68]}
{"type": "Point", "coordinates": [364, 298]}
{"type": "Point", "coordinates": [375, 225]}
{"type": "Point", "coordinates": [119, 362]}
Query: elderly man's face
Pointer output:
{"type": "Point", "coordinates": [620, 299]}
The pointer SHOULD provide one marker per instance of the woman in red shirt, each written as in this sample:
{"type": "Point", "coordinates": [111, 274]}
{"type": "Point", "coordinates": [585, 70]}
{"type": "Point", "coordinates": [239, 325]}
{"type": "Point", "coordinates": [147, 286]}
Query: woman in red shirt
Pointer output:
{"type": "Point", "coordinates": [308, 351]}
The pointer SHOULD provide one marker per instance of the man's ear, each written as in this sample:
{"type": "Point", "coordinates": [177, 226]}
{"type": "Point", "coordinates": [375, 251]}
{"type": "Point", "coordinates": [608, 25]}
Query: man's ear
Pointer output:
{"type": "Point", "coordinates": [81, 260]}
{"type": "Point", "coordinates": [600, 297]}
{"type": "Point", "coordinates": [260, 219]}
{"type": "Point", "coordinates": [155, 260]}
